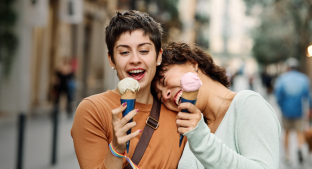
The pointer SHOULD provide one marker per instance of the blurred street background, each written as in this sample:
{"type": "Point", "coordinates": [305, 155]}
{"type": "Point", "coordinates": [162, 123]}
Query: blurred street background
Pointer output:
{"type": "Point", "coordinates": [45, 44]}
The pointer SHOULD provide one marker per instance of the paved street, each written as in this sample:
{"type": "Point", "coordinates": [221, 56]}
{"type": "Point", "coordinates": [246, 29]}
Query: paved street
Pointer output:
{"type": "Point", "coordinates": [38, 144]}
{"type": "Point", "coordinates": [294, 164]}
{"type": "Point", "coordinates": [38, 138]}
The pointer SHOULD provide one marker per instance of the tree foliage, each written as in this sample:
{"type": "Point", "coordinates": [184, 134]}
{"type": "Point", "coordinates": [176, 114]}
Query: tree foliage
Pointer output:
{"type": "Point", "coordinates": [285, 29]}
{"type": "Point", "coordinates": [8, 39]}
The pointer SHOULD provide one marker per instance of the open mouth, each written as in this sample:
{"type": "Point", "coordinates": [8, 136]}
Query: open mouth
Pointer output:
{"type": "Point", "coordinates": [177, 98]}
{"type": "Point", "coordinates": [137, 74]}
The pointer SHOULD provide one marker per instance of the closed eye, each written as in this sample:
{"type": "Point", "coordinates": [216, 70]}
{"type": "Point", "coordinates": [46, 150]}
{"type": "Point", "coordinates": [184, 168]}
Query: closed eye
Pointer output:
{"type": "Point", "coordinates": [144, 52]}
{"type": "Point", "coordinates": [124, 53]}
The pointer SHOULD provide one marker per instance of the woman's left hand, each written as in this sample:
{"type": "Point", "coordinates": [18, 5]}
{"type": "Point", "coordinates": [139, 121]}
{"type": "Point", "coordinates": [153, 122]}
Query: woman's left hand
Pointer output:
{"type": "Point", "coordinates": [187, 121]}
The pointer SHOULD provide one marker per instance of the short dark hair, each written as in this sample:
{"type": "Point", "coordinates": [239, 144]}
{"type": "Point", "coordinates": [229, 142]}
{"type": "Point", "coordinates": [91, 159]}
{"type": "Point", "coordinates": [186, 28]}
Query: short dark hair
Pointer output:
{"type": "Point", "coordinates": [180, 53]}
{"type": "Point", "coordinates": [130, 21]}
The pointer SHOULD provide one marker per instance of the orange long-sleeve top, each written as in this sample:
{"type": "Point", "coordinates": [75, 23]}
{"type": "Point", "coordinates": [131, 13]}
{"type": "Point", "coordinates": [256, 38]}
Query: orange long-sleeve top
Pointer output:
{"type": "Point", "coordinates": [92, 132]}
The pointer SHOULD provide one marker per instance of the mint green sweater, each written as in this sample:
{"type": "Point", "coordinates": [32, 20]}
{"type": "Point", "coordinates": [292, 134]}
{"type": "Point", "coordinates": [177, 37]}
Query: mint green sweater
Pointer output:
{"type": "Point", "coordinates": [247, 138]}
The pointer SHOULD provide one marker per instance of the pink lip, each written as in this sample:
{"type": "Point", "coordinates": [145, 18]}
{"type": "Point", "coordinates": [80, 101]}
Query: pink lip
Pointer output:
{"type": "Point", "coordinates": [139, 77]}
{"type": "Point", "coordinates": [135, 69]}
{"type": "Point", "coordinates": [176, 96]}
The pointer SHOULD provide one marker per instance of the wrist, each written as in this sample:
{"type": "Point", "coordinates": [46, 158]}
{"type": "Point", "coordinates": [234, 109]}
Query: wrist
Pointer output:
{"type": "Point", "coordinates": [118, 148]}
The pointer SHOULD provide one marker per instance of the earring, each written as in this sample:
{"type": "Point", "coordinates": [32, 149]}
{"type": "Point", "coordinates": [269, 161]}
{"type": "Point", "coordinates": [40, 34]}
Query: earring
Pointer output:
{"type": "Point", "coordinates": [113, 68]}
{"type": "Point", "coordinates": [196, 68]}
{"type": "Point", "coordinates": [158, 63]}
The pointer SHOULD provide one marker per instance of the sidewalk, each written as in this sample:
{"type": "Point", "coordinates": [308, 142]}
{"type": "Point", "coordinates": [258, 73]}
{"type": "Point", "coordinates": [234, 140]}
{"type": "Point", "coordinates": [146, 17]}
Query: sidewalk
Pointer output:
{"type": "Point", "coordinates": [294, 163]}
{"type": "Point", "coordinates": [38, 144]}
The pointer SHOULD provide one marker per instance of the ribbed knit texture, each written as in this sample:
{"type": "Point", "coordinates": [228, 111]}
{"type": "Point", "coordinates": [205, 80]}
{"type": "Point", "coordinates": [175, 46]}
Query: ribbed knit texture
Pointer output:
{"type": "Point", "coordinates": [247, 138]}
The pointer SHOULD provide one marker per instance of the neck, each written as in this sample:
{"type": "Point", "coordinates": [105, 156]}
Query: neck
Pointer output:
{"type": "Point", "coordinates": [144, 96]}
{"type": "Point", "coordinates": [210, 97]}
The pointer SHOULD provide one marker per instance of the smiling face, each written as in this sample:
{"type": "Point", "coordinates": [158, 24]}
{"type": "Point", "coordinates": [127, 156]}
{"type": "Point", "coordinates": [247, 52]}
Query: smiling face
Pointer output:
{"type": "Point", "coordinates": [168, 89]}
{"type": "Point", "coordinates": [135, 57]}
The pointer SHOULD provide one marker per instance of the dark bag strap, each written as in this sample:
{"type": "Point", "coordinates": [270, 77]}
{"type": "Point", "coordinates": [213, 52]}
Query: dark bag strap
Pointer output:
{"type": "Point", "coordinates": [151, 125]}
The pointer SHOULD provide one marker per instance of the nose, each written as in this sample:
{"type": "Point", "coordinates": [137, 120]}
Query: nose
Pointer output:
{"type": "Point", "coordinates": [135, 59]}
{"type": "Point", "coordinates": [167, 95]}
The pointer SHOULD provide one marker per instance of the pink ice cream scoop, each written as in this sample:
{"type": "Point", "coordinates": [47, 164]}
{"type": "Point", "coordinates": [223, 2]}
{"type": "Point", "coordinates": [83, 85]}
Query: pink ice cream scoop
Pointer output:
{"type": "Point", "coordinates": [190, 82]}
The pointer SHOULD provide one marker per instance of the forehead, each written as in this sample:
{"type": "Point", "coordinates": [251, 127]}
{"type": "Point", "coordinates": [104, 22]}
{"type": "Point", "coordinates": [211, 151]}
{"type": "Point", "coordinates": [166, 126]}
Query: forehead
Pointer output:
{"type": "Point", "coordinates": [133, 38]}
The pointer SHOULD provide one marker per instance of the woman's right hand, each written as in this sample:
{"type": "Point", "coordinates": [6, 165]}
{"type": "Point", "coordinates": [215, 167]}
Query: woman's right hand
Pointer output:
{"type": "Point", "coordinates": [121, 126]}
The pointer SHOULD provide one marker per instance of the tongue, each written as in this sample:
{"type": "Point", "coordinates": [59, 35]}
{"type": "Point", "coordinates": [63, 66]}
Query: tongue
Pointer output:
{"type": "Point", "coordinates": [136, 74]}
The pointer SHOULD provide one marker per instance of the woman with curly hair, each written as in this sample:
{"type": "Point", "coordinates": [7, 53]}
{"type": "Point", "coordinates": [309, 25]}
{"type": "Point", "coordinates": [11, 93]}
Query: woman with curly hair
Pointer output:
{"type": "Point", "coordinates": [224, 129]}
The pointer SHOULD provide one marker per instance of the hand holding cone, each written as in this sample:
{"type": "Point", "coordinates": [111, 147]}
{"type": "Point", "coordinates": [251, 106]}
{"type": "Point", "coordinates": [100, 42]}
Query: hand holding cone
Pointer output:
{"type": "Point", "coordinates": [128, 88]}
{"type": "Point", "coordinates": [190, 84]}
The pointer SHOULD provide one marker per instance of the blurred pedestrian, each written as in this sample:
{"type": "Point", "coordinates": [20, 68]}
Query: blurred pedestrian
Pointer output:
{"type": "Point", "coordinates": [65, 84]}
{"type": "Point", "coordinates": [267, 81]}
{"type": "Point", "coordinates": [291, 89]}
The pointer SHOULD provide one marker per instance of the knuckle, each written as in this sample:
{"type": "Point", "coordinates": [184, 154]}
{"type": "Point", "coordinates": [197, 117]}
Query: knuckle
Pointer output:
{"type": "Point", "coordinates": [193, 123]}
{"type": "Point", "coordinates": [128, 125]}
{"type": "Point", "coordinates": [119, 141]}
{"type": "Point", "coordinates": [126, 118]}
{"type": "Point", "coordinates": [198, 117]}
{"type": "Point", "coordinates": [115, 111]}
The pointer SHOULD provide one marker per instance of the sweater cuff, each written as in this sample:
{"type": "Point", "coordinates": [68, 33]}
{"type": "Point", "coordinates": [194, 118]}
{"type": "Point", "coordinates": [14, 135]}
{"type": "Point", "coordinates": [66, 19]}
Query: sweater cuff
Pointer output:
{"type": "Point", "coordinates": [201, 126]}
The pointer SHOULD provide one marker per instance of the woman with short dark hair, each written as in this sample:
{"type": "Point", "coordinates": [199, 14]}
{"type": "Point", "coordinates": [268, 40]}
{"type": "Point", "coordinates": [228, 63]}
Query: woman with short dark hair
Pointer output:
{"type": "Point", "coordinates": [99, 131]}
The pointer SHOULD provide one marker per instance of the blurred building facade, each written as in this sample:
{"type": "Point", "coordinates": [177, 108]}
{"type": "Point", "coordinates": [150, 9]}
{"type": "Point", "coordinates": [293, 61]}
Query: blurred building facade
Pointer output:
{"type": "Point", "coordinates": [49, 30]}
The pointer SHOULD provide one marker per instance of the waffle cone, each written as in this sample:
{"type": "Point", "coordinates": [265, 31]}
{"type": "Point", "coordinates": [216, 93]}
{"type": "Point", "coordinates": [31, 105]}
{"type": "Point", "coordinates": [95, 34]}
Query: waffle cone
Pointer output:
{"type": "Point", "coordinates": [190, 95]}
{"type": "Point", "coordinates": [128, 95]}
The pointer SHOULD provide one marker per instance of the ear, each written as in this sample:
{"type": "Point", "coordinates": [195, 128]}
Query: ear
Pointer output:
{"type": "Point", "coordinates": [159, 57]}
{"type": "Point", "coordinates": [195, 66]}
{"type": "Point", "coordinates": [111, 63]}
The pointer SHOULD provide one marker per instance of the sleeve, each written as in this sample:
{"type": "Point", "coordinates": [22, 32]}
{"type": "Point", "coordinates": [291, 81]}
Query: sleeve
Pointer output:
{"type": "Point", "coordinates": [308, 93]}
{"type": "Point", "coordinates": [258, 141]}
{"type": "Point", "coordinates": [89, 136]}
{"type": "Point", "coordinates": [278, 91]}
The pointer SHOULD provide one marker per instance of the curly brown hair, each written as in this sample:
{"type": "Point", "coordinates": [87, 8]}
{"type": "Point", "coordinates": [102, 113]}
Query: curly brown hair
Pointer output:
{"type": "Point", "coordinates": [180, 53]}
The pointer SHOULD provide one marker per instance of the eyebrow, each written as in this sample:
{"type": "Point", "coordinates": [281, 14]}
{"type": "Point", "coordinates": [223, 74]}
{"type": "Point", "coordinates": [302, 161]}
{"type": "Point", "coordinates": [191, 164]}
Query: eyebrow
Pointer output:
{"type": "Point", "coordinates": [141, 44]}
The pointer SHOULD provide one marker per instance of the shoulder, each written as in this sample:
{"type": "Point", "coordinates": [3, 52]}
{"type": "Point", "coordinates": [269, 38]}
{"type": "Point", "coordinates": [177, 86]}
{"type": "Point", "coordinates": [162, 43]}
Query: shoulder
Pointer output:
{"type": "Point", "coordinates": [95, 110]}
{"type": "Point", "coordinates": [107, 98]}
{"type": "Point", "coordinates": [249, 103]}
{"type": "Point", "coordinates": [98, 103]}
{"type": "Point", "coordinates": [255, 109]}
{"type": "Point", "coordinates": [245, 94]}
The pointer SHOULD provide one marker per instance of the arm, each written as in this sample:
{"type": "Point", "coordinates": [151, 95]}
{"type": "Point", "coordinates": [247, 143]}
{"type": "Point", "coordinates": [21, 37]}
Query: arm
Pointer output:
{"type": "Point", "coordinates": [257, 141]}
{"type": "Point", "coordinates": [90, 134]}
{"type": "Point", "coordinates": [278, 91]}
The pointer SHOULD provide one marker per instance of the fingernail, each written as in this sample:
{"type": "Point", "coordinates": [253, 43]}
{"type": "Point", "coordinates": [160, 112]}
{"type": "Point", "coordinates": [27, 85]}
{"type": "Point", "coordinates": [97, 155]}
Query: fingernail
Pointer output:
{"type": "Point", "coordinates": [124, 104]}
{"type": "Point", "coordinates": [137, 110]}
{"type": "Point", "coordinates": [140, 131]}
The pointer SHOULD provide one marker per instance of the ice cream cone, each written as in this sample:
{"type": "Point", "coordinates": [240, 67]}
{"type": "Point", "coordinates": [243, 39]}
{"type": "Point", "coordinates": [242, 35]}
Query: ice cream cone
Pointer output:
{"type": "Point", "coordinates": [190, 95]}
{"type": "Point", "coordinates": [128, 88]}
{"type": "Point", "coordinates": [128, 95]}
{"type": "Point", "coordinates": [190, 84]}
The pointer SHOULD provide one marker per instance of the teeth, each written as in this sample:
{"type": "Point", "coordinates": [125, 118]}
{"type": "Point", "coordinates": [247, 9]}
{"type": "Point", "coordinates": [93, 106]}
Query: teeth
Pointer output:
{"type": "Point", "coordinates": [136, 71]}
{"type": "Point", "coordinates": [178, 98]}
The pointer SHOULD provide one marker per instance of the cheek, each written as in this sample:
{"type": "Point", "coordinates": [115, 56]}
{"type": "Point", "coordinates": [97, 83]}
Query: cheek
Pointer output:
{"type": "Point", "coordinates": [120, 63]}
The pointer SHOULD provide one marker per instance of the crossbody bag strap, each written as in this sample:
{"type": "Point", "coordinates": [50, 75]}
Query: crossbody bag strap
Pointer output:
{"type": "Point", "coordinates": [151, 125]}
